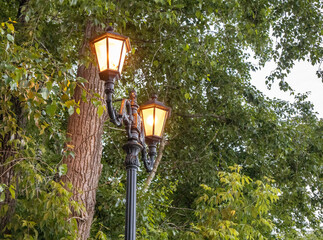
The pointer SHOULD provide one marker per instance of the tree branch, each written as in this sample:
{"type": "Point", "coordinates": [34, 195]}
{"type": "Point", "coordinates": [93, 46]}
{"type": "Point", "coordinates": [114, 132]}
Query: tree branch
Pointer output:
{"type": "Point", "coordinates": [198, 115]}
{"type": "Point", "coordinates": [157, 161]}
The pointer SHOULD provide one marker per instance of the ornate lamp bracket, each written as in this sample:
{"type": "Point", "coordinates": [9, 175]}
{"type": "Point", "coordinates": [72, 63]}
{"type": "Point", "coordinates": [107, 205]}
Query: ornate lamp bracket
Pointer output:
{"type": "Point", "coordinates": [129, 116]}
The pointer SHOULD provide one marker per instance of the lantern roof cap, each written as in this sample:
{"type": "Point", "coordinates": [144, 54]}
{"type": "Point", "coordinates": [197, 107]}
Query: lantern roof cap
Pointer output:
{"type": "Point", "coordinates": [110, 33]}
{"type": "Point", "coordinates": [153, 102]}
{"type": "Point", "coordinates": [110, 29]}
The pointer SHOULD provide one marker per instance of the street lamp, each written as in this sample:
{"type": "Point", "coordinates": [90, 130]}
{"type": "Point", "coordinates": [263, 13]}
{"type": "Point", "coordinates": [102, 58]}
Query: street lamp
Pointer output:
{"type": "Point", "coordinates": [143, 124]}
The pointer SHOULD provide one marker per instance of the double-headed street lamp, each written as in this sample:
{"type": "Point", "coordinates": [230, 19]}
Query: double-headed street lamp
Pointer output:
{"type": "Point", "coordinates": [144, 124]}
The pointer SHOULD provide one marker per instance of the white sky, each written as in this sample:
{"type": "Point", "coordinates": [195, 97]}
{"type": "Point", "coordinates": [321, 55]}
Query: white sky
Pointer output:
{"type": "Point", "coordinates": [302, 79]}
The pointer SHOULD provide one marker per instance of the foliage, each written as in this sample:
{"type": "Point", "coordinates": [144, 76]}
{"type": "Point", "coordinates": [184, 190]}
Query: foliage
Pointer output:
{"type": "Point", "coordinates": [38, 197]}
{"type": "Point", "coordinates": [43, 212]}
{"type": "Point", "coordinates": [237, 209]}
{"type": "Point", "coordinates": [195, 56]}
{"type": "Point", "coordinates": [35, 102]}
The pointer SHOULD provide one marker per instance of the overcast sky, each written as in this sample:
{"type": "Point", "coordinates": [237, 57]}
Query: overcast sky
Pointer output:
{"type": "Point", "coordinates": [302, 79]}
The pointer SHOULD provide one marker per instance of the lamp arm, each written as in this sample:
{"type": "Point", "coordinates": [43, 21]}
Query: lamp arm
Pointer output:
{"type": "Point", "coordinates": [125, 113]}
{"type": "Point", "coordinates": [149, 159]}
{"type": "Point", "coordinates": [126, 116]}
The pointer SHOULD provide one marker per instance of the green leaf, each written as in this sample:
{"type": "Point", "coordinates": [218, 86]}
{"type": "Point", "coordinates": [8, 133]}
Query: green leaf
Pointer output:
{"type": "Point", "coordinates": [72, 154]}
{"type": "Point", "coordinates": [78, 111]}
{"type": "Point", "coordinates": [49, 85]}
{"type": "Point", "coordinates": [2, 187]}
{"type": "Point", "coordinates": [73, 2]}
{"type": "Point", "coordinates": [81, 80]}
{"type": "Point", "coordinates": [11, 27]}
{"type": "Point", "coordinates": [70, 110]}
{"type": "Point", "coordinates": [62, 169]}
{"type": "Point", "coordinates": [2, 197]}
{"type": "Point", "coordinates": [12, 191]}
{"type": "Point", "coordinates": [84, 96]}
{"type": "Point", "coordinates": [69, 103]}
{"type": "Point", "coordinates": [46, 215]}
{"type": "Point", "coordinates": [45, 93]}
{"type": "Point", "coordinates": [198, 14]}
{"type": "Point", "coordinates": [10, 37]}
{"type": "Point", "coordinates": [100, 110]}
{"type": "Point", "coordinates": [51, 109]}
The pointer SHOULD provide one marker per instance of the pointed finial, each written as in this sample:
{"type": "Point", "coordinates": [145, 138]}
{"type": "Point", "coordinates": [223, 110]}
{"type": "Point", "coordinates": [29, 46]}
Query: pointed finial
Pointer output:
{"type": "Point", "coordinates": [154, 96]}
{"type": "Point", "coordinates": [110, 29]}
{"type": "Point", "coordinates": [133, 94]}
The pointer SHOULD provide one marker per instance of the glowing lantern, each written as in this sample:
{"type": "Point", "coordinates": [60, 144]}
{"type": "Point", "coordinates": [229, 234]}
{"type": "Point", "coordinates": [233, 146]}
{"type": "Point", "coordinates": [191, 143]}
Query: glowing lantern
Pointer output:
{"type": "Point", "coordinates": [110, 49]}
{"type": "Point", "coordinates": [154, 115]}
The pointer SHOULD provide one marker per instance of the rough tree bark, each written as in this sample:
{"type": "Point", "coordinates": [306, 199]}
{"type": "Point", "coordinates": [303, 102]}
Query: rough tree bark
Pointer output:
{"type": "Point", "coordinates": [85, 131]}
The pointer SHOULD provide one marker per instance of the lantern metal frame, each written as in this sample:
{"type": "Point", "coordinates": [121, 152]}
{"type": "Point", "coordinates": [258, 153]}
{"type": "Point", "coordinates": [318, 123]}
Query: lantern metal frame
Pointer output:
{"type": "Point", "coordinates": [128, 115]}
{"type": "Point", "coordinates": [154, 103]}
{"type": "Point", "coordinates": [110, 74]}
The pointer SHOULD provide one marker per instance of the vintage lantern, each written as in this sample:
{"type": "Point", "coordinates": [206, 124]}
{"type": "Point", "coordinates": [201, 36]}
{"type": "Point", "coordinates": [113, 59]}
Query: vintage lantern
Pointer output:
{"type": "Point", "coordinates": [110, 49]}
{"type": "Point", "coordinates": [154, 115]}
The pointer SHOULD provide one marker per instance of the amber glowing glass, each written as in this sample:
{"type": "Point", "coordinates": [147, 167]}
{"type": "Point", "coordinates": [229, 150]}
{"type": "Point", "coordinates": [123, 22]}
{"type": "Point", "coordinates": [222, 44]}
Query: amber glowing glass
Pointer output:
{"type": "Point", "coordinates": [154, 115]}
{"type": "Point", "coordinates": [160, 117]}
{"type": "Point", "coordinates": [115, 48]}
{"type": "Point", "coordinates": [101, 53]}
{"type": "Point", "coordinates": [123, 55]}
{"type": "Point", "coordinates": [148, 118]}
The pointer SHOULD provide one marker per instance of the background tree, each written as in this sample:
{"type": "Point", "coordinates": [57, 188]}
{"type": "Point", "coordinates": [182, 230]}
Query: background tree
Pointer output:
{"type": "Point", "coordinates": [195, 57]}
{"type": "Point", "coordinates": [235, 210]}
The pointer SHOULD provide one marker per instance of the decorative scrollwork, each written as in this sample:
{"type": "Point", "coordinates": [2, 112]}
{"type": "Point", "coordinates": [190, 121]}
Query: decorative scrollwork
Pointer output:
{"type": "Point", "coordinates": [132, 149]}
{"type": "Point", "coordinates": [129, 117]}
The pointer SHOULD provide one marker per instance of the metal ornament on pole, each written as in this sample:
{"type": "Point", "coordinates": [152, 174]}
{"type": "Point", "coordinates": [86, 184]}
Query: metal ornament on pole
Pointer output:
{"type": "Point", "coordinates": [129, 116]}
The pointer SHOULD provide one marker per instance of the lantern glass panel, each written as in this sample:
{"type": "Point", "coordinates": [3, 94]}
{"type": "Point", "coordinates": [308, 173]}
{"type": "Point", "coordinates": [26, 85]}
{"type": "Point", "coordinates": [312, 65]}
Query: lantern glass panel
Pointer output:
{"type": "Point", "coordinates": [160, 116]}
{"type": "Point", "coordinates": [101, 53]}
{"type": "Point", "coordinates": [123, 55]}
{"type": "Point", "coordinates": [148, 118]}
{"type": "Point", "coordinates": [115, 47]}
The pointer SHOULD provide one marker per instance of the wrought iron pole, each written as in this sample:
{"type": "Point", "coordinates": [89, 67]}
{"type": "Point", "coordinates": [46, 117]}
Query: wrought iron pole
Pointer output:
{"type": "Point", "coordinates": [132, 148]}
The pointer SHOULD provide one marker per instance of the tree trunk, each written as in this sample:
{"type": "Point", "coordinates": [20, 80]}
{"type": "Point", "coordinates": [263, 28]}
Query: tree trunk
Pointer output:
{"type": "Point", "coordinates": [85, 131]}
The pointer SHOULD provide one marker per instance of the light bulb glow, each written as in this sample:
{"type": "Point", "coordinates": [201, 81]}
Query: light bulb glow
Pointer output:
{"type": "Point", "coordinates": [148, 117]}
{"type": "Point", "coordinates": [150, 120]}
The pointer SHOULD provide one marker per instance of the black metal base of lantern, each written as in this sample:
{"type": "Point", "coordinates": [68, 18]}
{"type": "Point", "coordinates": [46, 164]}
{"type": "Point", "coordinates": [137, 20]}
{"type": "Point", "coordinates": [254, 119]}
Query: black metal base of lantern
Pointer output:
{"type": "Point", "coordinates": [109, 75]}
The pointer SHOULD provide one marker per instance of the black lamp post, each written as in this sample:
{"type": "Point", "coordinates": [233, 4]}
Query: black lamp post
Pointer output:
{"type": "Point", "coordinates": [144, 123]}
